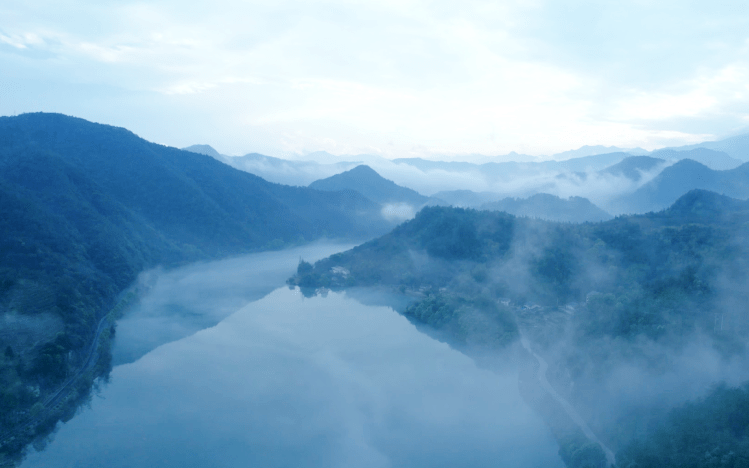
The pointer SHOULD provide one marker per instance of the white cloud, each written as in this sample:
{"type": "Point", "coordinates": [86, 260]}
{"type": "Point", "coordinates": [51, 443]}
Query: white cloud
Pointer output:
{"type": "Point", "coordinates": [394, 78]}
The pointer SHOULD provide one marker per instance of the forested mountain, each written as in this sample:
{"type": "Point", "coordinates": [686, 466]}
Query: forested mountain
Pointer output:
{"type": "Point", "coordinates": [85, 207]}
{"type": "Point", "coordinates": [550, 208]}
{"type": "Point", "coordinates": [678, 179]}
{"type": "Point", "coordinates": [607, 304]}
{"type": "Point", "coordinates": [372, 185]}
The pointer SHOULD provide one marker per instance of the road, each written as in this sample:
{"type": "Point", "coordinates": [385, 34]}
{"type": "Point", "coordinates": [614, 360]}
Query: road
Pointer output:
{"type": "Point", "coordinates": [62, 392]}
{"type": "Point", "coordinates": [543, 366]}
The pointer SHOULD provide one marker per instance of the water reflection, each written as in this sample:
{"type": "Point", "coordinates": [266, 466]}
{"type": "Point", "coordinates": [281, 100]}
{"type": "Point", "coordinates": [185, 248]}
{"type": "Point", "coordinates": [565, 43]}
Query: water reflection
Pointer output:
{"type": "Point", "coordinates": [185, 300]}
{"type": "Point", "coordinates": [294, 382]}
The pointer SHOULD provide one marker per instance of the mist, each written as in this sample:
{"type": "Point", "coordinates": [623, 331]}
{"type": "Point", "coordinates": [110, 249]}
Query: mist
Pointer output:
{"type": "Point", "coordinates": [502, 180]}
{"type": "Point", "coordinates": [179, 302]}
{"type": "Point", "coordinates": [291, 381]}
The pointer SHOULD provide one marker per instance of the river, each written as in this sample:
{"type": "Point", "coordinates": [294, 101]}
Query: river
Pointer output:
{"type": "Point", "coordinates": [218, 366]}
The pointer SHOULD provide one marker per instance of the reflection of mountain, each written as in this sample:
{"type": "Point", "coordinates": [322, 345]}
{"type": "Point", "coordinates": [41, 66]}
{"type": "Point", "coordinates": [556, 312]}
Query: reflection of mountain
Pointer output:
{"type": "Point", "coordinates": [551, 208]}
{"type": "Point", "coordinates": [678, 179]}
{"type": "Point", "coordinates": [369, 183]}
{"type": "Point", "coordinates": [85, 207]}
{"type": "Point", "coordinates": [597, 301]}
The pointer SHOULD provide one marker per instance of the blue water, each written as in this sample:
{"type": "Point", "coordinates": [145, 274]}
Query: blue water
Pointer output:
{"type": "Point", "coordinates": [286, 381]}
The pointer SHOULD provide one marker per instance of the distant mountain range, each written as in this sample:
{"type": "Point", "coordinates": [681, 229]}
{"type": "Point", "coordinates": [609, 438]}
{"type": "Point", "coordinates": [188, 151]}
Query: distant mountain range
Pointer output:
{"type": "Point", "coordinates": [550, 208]}
{"type": "Point", "coordinates": [717, 160]}
{"type": "Point", "coordinates": [678, 179]}
{"type": "Point", "coordinates": [596, 150]}
{"type": "Point", "coordinates": [736, 146]}
{"type": "Point", "coordinates": [280, 171]}
{"type": "Point", "coordinates": [84, 208]}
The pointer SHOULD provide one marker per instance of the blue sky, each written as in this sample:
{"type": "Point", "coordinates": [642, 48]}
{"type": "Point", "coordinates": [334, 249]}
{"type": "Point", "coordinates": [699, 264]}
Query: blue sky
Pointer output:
{"type": "Point", "coordinates": [394, 78]}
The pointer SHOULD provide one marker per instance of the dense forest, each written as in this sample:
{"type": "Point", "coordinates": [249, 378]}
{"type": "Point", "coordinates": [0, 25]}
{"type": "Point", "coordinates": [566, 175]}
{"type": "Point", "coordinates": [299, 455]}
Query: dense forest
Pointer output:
{"type": "Point", "coordinates": [635, 290]}
{"type": "Point", "coordinates": [83, 209]}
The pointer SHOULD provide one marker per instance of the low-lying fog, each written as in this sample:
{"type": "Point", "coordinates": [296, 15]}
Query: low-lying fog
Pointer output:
{"type": "Point", "coordinates": [290, 381]}
{"type": "Point", "coordinates": [182, 301]}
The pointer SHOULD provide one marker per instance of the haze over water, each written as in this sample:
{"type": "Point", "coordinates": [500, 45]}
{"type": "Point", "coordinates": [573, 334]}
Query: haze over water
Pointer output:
{"type": "Point", "coordinates": [292, 381]}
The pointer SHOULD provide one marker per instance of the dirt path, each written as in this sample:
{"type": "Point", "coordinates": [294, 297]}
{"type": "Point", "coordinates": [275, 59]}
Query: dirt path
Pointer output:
{"type": "Point", "coordinates": [543, 366]}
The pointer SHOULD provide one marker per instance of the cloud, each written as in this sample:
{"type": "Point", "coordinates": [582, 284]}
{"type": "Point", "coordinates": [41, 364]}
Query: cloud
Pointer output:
{"type": "Point", "coordinates": [398, 212]}
{"type": "Point", "coordinates": [535, 77]}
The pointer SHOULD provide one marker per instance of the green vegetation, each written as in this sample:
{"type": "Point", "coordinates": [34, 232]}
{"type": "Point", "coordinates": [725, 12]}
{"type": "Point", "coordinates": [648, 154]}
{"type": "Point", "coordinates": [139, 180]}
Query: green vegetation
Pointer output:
{"type": "Point", "coordinates": [478, 322]}
{"type": "Point", "coordinates": [631, 291]}
{"type": "Point", "coordinates": [712, 432]}
{"type": "Point", "coordinates": [647, 275]}
{"type": "Point", "coordinates": [84, 208]}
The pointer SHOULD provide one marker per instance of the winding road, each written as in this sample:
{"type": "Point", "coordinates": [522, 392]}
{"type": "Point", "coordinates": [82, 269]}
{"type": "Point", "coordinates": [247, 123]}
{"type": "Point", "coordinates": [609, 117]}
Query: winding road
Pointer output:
{"type": "Point", "coordinates": [543, 366]}
{"type": "Point", "coordinates": [52, 400]}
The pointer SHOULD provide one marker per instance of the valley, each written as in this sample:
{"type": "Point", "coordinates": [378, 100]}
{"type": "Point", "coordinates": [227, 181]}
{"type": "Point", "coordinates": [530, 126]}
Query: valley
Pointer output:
{"type": "Point", "coordinates": [102, 229]}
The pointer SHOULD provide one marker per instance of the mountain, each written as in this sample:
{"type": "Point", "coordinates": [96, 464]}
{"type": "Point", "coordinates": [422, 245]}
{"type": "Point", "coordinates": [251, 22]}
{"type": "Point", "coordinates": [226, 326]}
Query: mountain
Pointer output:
{"type": "Point", "coordinates": [596, 150]}
{"type": "Point", "coordinates": [466, 198]}
{"type": "Point", "coordinates": [280, 171]}
{"type": "Point", "coordinates": [678, 179]}
{"type": "Point", "coordinates": [369, 183]}
{"type": "Point", "coordinates": [598, 303]}
{"type": "Point", "coordinates": [717, 160]}
{"type": "Point", "coordinates": [206, 150]}
{"type": "Point", "coordinates": [550, 208]}
{"type": "Point", "coordinates": [85, 207]}
{"type": "Point", "coordinates": [736, 146]}
{"type": "Point", "coordinates": [509, 169]}
{"type": "Point", "coordinates": [633, 167]}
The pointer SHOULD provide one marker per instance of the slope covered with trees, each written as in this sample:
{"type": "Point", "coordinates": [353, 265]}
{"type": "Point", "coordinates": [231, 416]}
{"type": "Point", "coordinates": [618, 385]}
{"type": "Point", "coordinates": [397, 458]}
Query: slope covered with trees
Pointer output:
{"type": "Point", "coordinates": [596, 300]}
{"type": "Point", "coordinates": [85, 207]}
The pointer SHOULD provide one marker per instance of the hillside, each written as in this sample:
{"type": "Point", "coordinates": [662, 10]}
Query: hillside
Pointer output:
{"type": "Point", "coordinates": [678, 179]}
{"type": "Point", "coordinates": [597, 301]}
{"type": "Point", "coordinates": [550, 208]}
{"type": "Point", "coordinates": [369, 183]}
{"type": "Point", "coordinates": [85, 207]}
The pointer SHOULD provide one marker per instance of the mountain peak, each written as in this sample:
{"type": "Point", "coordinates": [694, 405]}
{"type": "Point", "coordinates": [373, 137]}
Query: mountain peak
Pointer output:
{"type": "Point", "coordinates": [372, 185]}
{"type": "Point", "coordinates": [206, 150]}
{"type": "Point", "coordinates": [706, 203]}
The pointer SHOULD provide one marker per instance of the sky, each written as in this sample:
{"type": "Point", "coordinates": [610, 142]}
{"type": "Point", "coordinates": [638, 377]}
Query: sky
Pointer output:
{"type": "Point", "coordinates": [435, 79]}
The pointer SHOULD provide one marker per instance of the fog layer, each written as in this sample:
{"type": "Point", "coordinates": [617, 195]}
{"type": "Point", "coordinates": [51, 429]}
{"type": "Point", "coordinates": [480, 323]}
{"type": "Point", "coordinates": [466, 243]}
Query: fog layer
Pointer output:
{"type": "Point", "coordinates": [289, 381]}
{"type": "Point", "coordinates": [182, 301]}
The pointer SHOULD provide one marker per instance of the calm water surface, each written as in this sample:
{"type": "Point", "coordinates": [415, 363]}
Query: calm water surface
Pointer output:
{"type": "Point", "coordinates": [286, 381]}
